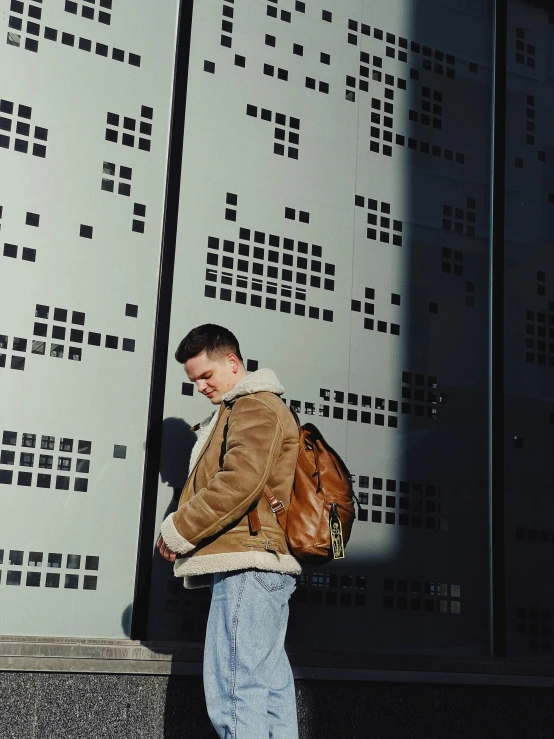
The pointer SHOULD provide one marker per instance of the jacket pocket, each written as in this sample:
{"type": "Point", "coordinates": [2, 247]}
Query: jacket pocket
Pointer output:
{"type": "Point", "coordinates": [271, 581]}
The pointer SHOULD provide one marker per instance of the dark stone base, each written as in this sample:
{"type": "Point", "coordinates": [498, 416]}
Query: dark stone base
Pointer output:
{"type": "Point", "coordinates": [91, 706]}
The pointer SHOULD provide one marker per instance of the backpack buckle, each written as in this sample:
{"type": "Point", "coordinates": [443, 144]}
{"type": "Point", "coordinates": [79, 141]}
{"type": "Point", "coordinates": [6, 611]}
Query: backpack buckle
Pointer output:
{"type": "Point", "coordinates": [277, 507]}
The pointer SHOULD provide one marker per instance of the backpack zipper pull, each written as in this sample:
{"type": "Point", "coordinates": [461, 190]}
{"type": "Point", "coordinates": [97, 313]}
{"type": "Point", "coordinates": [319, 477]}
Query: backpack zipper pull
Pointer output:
{"type": "Point", "coordinates": [335, 528]}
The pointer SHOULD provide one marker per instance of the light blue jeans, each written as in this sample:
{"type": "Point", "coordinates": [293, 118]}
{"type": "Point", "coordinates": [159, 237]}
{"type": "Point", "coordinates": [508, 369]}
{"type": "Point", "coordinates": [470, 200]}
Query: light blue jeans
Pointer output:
{"type": "Point", "coordinates": [248, 680]}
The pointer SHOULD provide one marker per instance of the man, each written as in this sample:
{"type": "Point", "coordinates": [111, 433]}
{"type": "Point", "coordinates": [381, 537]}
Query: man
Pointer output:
{"type": "Point", "coordinates": [224, 534]}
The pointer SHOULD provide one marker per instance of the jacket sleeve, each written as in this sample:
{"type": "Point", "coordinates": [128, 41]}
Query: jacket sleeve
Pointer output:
{"type": "Point", "coordinates": [254, 440]}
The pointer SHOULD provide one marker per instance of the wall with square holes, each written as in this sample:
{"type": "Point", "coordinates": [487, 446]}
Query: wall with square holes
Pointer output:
{"type": "Point", "coordinates": [529, 334]}
{"type": "Point", "coordinates": [86, 92]}
{"type": "Point", "coordinates": [334, 214]}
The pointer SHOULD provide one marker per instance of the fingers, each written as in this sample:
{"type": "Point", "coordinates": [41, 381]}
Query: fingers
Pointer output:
{"type": "Point", "coordinates": [165, 551]}
{"type": "Point", "coordinates": [169, 555]}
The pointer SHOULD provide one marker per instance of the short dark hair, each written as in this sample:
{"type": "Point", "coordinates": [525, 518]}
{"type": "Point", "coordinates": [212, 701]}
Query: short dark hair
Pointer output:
{"type": "Point", "coordinates": [215, 340]}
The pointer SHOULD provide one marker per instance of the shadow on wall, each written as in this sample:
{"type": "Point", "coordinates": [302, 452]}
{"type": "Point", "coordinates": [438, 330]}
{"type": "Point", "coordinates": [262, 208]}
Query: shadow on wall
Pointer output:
{"type": "Point", "coordinates": [329, 709]}
{"type": "Point", "coordinates": [426, 489]}
{"type": "Point", "coordinates": [126, 617]}
{"type": "Point", "coordinates": [185, 709]}
{"type": "Point", "coordinates": [177, 443]}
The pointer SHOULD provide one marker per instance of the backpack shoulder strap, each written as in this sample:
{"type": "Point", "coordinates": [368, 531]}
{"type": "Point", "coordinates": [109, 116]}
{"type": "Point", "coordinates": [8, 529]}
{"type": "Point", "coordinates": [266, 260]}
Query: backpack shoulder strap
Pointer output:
{"type": "Point", "coordinates": [277, 507]}
{"type": "Point", "coordinates": [295, 416]}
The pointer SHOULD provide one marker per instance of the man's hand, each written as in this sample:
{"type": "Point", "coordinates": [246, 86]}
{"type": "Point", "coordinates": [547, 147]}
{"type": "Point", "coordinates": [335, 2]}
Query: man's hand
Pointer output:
{"type": "Point", "coordinates": [165, 551]}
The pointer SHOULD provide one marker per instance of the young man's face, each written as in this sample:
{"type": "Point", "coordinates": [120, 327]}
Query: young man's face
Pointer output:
{"type": "Point", "coordinates": [213, 377]}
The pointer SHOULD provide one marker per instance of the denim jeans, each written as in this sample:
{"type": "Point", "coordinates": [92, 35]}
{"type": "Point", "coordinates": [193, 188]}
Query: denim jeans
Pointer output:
{"type": "Point", "coordinates": [248, 680]}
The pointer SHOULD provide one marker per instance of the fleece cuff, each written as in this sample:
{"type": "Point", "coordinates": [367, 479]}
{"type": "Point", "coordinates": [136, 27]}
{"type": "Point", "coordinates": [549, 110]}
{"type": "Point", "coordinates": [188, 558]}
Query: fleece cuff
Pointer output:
{"type": "Point", "coordinates": [173, 538]}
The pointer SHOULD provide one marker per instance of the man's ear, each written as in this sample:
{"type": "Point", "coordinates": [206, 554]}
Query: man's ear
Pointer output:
{"type": "Point", "coordinates": [234, 362]}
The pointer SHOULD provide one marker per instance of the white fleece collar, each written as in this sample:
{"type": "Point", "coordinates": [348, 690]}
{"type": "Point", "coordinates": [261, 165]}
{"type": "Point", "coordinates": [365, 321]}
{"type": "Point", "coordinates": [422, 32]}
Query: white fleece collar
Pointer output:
{"type": "Point", "coordinates": [261, 380]}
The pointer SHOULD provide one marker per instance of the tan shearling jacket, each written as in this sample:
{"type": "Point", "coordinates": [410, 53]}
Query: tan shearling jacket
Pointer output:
{"type": "Point", "coordinates": [251, 442]}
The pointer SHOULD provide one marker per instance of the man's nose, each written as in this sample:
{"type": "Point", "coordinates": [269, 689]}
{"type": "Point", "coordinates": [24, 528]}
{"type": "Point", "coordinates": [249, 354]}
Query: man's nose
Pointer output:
{"type": "Point", "coordinates": [201, 385]}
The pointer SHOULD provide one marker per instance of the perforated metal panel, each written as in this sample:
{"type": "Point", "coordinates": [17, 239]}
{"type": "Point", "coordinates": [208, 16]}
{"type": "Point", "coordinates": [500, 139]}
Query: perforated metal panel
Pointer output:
{"type": "Point", "coordinates": [334, 215]}
{"type": "Point", "coordinates": [85, 101]}
{"type": "Point", "coordinates": [529, 335]}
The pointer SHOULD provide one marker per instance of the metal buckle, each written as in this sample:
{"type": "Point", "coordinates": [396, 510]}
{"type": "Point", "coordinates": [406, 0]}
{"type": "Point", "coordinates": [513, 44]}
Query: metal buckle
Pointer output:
{"type": "Point", "coordinates": [278, 508]}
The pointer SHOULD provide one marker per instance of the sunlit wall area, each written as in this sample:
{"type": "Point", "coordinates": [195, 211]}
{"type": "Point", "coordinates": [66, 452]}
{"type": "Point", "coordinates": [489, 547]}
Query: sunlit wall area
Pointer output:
{"type": "Point", "coordinates": [85, 110]}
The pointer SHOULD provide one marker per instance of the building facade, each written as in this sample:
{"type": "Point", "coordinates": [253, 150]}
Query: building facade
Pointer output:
{"type": "Point", "coordinates": [363, 193]}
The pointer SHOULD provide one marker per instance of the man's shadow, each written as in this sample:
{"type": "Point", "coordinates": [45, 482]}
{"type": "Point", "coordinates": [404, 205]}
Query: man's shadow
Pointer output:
{"type": "Point", "coordinates": [184, 693]}
{"type": "Point", "coordinates": [176, 447]}
{"type": "Point", "coordinates": [177, 443]}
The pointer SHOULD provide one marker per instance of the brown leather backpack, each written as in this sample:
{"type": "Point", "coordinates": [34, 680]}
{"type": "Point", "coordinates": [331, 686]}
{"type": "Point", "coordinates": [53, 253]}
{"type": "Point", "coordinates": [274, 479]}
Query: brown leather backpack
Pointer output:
{"type": "Point", "coordinates": [318, 522]}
